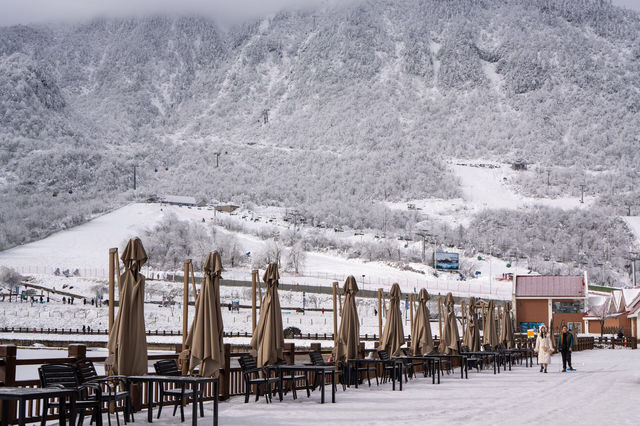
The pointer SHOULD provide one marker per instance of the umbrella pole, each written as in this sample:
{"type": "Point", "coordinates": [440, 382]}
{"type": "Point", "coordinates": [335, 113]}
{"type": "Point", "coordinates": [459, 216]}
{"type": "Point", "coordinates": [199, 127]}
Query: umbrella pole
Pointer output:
{"type": "Point", "coordinates": [113, 255]}
{"type": "Point", "coordinates": [253, 300]}
{"type": "Point", "coordinates": [185, 302]}
{"type": "Point", "coordinates": [335, 316]}
{"type": "Point", "coordinates": [380, 313]}
{"type": "Point", "coordinates": [340, 302]}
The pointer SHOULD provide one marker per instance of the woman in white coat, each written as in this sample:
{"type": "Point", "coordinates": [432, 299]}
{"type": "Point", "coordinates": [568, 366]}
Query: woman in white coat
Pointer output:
{"type": "Point", "coordinates": [544, 348]}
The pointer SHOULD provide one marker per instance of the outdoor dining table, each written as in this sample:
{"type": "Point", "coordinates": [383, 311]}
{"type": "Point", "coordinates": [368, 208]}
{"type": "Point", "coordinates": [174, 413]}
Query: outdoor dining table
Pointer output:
{"type": "Point", "coordinates": [195, 381]}
{"type": "Point", "coordinates": [318, 369]}
{"type": "Point", "coordinates": [432, 362]}
{"type": "Point", "coordinates": [463, 365]}
{"type": "Point", "coordinates": [528, 354]}
{"type": "Point", "coordinates": [21, 395]}
{"type": "Point", "coordinates": [487, 354]}
{"type": "Point", "coordinates": [356, 362]}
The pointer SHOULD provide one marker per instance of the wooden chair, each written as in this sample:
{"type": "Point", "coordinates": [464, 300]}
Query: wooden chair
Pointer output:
{"type": "Point", "coordinates": [169, 367]}
{"type": "Point", "coordinates": [251, 374]}
{"type": "Point", "coordinates": [65, 376]}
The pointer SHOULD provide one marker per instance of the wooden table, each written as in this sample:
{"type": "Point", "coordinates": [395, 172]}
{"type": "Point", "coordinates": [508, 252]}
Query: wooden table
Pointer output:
{"type": "Point", "coordinates": [318, 369]}
{"type": "Point", "coordinates": [22, 395]}
{"type": "Point", "coordinates": [195, 381]}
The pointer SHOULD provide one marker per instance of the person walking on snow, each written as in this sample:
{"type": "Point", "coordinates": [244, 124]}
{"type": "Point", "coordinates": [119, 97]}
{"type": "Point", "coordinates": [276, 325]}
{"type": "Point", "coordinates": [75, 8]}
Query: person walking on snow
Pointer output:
{"type": "Point", "coordinates": [565, 346]}
{"type": "Point", "coordinates": [543, 348]}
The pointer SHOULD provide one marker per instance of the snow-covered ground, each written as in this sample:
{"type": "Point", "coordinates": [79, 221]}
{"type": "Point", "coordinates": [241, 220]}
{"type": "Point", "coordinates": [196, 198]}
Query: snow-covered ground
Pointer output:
{"type": "Point", "coordinates": [86, 248]}
{"type": "Point", "coordinates": [634, 224]}
{"type": "Point", "coordinates": [603, 390]}
{"type": "Point", "coordinates": [484, 188]}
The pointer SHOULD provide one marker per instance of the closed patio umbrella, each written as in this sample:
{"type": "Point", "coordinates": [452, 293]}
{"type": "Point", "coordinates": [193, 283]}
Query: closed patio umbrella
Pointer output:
{"type": "Point", "coordinates": [490, 333]}
{"type": "Point", "coordinates": [268, 338]}
{"type": "Point", "coordinates": [393, 334]}
{"type": "Point", "coordinates": [421, 338]}
{"type": "Point", "coordinates": [205, 336]}
{"type": "Point", "coordinates": [471, 337]}
{"type": "Point", "coordinates": [506, 331]}
{"type": "Point", "coordinates": [349, 332]}
{"type": "Point", "coordinates": [450, 336]}
{"type": "Point", "coordinates": [127, 344]}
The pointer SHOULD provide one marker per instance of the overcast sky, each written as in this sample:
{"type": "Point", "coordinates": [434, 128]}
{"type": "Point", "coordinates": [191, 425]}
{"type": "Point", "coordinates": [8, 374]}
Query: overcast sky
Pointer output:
{"type": "Point", "coordinates": [226, 11]}
{"type": "Point", "coordinates": [30, 11]}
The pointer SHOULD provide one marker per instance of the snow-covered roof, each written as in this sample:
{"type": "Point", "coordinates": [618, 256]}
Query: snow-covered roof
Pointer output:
{"type": "Point", "coordinates": [550, 286]}
{"type": "Point", "coordinates": [178, 199]}
{"type": "Point", "coordinates": [630, 294]}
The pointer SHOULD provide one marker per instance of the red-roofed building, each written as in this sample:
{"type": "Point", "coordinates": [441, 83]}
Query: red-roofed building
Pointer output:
{"type": "Point", "coordinates": [539, 298]}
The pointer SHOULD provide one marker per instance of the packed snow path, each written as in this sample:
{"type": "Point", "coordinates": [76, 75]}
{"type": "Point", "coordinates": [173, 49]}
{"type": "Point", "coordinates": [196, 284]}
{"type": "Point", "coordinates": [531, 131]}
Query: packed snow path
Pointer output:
{"type": "Point", "coordinates": [603, 390]}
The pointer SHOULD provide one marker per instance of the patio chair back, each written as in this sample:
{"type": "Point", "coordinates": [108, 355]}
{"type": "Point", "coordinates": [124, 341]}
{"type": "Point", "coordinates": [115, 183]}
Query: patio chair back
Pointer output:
{"type": "Point", "coordinates": [383, 355]}
{"type": "Point", "coordinates": [465, 348]}
{"type": "Point", "coordinates": [487, 347]}
{"type": "Point", "coordinates": [247, 363]}
{"type": "Point", "coordinates": [58, 375]}
{"type": "Point", "coordinates": [86, 371]}
{"type": "Point", "coordinates": [167, 367]}
{"type": "Point", "coordinates": [316, 358]}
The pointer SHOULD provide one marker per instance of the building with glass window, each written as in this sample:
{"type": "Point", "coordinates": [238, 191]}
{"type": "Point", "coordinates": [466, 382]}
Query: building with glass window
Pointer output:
{"type": "Point", "coordinates": [539, 298]}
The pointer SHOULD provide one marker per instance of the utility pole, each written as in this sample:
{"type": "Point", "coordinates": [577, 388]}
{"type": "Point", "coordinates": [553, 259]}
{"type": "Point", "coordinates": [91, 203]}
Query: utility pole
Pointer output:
{"type": "Point", "coordinates": [633, 256]}
{"type": "Point", "coordinates": [548, 177]}
{"type": "Point", "coordinates": [582, 193]}
{"type": "Point", "coordinates": [134, 177]}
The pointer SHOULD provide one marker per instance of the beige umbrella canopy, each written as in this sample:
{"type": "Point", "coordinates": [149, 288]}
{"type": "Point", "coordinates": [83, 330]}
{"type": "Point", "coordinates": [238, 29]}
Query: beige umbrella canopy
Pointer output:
{"type": "Point", "coordinates": [506, 331]}
{"type": "Point", "coordinates": [349, 332]}
{"type": "Point", "coordinates": [490, 332]}
{"type": "Point", "coordinates": [393, 334]}
{"type": "Point", "coordinates": [268, 338]}
{"type": "Point", "coordinates": [471, 337]}
{"type": "Point", "coordinates": [127, 339]}
{"type": "Point", "coordinates": [205, 336]}
{"type": "Point", "coordinates": [449, 344]}
{"type": "Point", "coordinates": [421, 339]}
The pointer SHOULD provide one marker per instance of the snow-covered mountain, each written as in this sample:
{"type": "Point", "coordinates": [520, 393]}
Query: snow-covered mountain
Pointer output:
{"type": "Point", "coordinates": [325, 110]}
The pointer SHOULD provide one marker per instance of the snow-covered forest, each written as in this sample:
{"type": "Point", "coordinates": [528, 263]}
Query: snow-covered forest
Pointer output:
{"type": "Point", "coordinates": [331, 111]}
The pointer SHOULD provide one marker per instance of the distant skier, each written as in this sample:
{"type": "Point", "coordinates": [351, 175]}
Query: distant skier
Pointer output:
{"type": "Point", "coordinates": [565, 346]}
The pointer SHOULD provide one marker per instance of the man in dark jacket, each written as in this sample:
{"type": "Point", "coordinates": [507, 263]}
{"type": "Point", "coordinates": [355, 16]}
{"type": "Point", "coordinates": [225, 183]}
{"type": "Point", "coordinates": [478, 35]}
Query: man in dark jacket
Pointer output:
{"type": "Point", "coordinates": [565, 346]}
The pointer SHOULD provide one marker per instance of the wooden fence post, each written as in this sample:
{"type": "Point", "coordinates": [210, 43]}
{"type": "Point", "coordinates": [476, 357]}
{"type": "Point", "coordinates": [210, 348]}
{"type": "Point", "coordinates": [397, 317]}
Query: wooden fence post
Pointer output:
{"type": "Point", "coordinates": [225, 379]}
{"type": "Point", "coordinates": [185, 303]}
{"type": "Point", "coordinates": [380, 294]}
{"type": "Point", "coordinates": [8, 375]}
{"type": "Point", "coordinates": [254, 273]}
{"type": "Point", "coordinates": [290, 353]}
{"type": "Point", "coordinates": [113, 256]}
{"type": "Point", "coordinates": [77, 351]}
{"type": "Point", "coordinates": [335, 314]}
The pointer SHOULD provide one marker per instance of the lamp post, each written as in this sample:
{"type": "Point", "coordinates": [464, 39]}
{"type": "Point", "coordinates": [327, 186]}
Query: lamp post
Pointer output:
{"type": "Point", "coordinates": [362, 281]}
